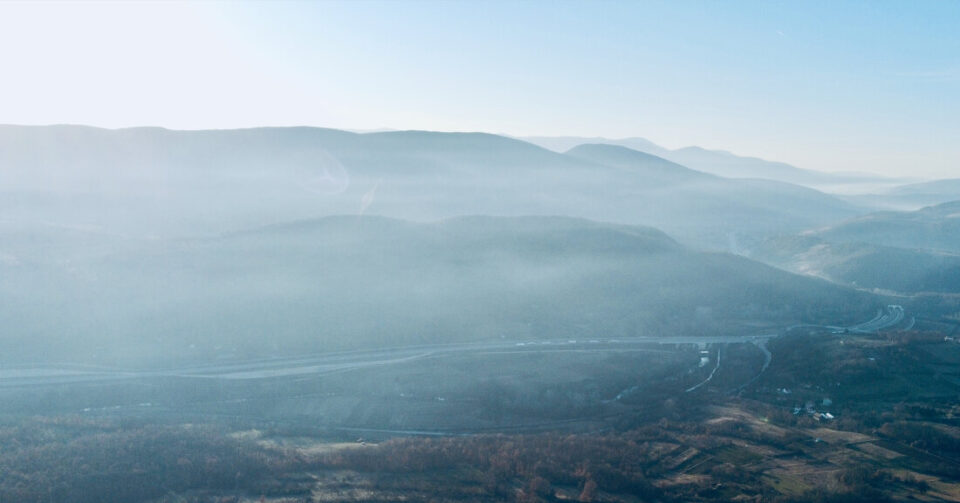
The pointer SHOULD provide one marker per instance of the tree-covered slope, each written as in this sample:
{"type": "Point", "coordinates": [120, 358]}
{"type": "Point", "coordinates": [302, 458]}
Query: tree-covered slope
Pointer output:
{"type": "Point", "coordinates": [362, 282]}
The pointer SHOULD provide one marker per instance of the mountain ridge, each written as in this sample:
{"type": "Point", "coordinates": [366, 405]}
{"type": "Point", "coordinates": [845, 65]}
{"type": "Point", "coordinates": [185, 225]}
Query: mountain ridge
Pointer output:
{"type": "Point", "coordinates": [151, 181]}
{"type": "Point", "coordinates": [717, 162]}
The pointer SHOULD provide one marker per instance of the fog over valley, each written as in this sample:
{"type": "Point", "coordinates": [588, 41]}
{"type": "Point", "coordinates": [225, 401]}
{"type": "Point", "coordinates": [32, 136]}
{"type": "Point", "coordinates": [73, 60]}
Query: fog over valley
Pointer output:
{"type": "Point", "coordinates": [460, 251]}
{"type": "Point", "coordinates": [155, 245]}
{"type": "Point", "coordinates": [423, 283]}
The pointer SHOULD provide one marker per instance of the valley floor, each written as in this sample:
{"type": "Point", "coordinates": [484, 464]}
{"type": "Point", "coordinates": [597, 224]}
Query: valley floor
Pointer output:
{"type": "Point", "coordinates": [810, 416]}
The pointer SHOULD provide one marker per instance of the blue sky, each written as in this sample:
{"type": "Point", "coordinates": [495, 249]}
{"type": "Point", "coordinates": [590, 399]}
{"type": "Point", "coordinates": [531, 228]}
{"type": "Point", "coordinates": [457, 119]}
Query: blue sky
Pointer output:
{"type": "Point", "coordinates": [835, 86]}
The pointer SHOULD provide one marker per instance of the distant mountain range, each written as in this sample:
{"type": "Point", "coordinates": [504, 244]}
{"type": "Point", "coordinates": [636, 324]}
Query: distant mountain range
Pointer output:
{"type": "Point", "coordinates": [655, 170]}
{"type": "Point", "coordinates": [911, 196]}
{"type": "Point", "coordinates": [719, 162]}
{"type": "Point", "coordinates": [144, 182]}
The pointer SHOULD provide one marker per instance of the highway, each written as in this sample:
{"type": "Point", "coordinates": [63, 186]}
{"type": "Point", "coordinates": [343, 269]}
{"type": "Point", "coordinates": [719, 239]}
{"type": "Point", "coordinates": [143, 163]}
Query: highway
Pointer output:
{"type": "Point", "coordinates": [22, 380]}
{"type": "Point", "coordinates": [345, 361]}
{"type": "Point", "coordinates": [887, 317]}
{"type": "Point", "coordinates": [326, 363]}
{"type": "Point", "coordinates": [709, 377]}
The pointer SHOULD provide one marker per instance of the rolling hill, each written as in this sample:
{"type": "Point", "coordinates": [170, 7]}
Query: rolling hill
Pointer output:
{"type": "Point", "coordinates": [864, 265]}
{"type": "Point", "coordinates": [935, 228]}
{"type": "Point", "coordinates": [354, 282]}
{"type": "Point", "coordinates": [905, 252]}
{"type": "Point", "coordinates": [654, 170]}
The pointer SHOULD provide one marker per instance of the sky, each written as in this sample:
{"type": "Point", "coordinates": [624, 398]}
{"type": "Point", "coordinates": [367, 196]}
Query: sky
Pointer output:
{"type": "Point", "coordinates": [833, 86]}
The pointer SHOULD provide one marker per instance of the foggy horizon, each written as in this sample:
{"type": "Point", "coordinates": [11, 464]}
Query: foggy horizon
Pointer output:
{"type": "Point", "coordinates": [831, 87]}
{"type": "Point", "coordinates": [479, 251]}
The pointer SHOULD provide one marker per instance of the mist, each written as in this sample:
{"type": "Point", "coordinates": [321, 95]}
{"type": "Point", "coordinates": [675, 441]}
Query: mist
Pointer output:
{"type": "Point", "coordinates": [295, 252]}
{"type": "Point", "coordinates": [325, 283]}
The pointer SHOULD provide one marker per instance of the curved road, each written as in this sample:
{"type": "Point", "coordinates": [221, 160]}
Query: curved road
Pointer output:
{"type": "Point", "coordinates": [326, 363]}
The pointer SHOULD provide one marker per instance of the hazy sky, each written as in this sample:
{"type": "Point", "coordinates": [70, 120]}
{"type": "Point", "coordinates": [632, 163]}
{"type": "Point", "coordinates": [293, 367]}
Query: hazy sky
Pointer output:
{"type": "Point", "coordinates": [834, 86]}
